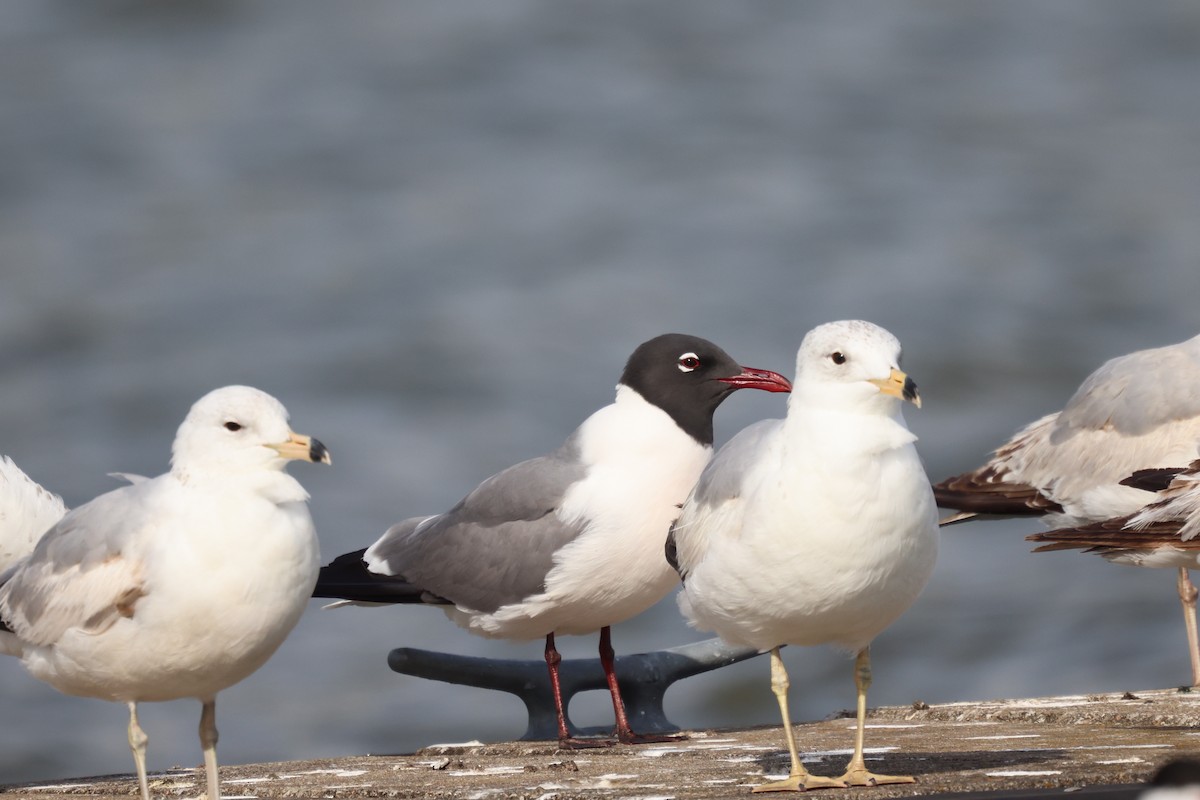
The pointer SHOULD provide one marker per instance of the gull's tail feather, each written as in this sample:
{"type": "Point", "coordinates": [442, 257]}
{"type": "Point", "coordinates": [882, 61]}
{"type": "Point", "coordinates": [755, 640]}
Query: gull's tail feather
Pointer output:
{"type": "Point", "coordinates": [985, 492]}
{"type": "Point", "coordinates": [26, 512]}
{"type": "Point", "coordinates": [347, 578]}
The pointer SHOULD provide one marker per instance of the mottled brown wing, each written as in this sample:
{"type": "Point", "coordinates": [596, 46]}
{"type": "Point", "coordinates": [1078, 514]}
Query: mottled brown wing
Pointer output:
{"type": "Point", "coordinates": [985, 491]}
{"type": "Point", "coordinates": [1113, 535]}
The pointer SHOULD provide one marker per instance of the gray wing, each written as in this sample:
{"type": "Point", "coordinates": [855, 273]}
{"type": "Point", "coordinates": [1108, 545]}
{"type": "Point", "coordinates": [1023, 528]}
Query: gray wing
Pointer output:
{"type": "Point", "coordinates": [80, 574]}
{"type": "Point", "coordinates": [714, 508]}
{"type": "Point", "coordinates": [1137, 393]}
{"type": "Point", "coordinates": [497, 545]}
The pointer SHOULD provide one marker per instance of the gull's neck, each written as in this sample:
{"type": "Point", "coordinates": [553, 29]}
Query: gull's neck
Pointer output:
{"type": "Point", "coordinates": [845, 419]}
{"type": "Point", "coordinates": [270, 482]}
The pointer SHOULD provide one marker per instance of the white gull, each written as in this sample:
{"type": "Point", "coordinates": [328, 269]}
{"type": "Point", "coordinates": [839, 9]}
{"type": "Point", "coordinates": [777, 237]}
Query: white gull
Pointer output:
{"type": "Point", "coordinates": [816, 529]}
{"type": "Point", "coordinates": [177, 586]}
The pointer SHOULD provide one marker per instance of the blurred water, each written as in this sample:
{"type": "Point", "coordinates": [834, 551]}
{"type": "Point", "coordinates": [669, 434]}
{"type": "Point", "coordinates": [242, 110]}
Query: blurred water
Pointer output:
{"type": "Point", "coordinates": [435, 231]}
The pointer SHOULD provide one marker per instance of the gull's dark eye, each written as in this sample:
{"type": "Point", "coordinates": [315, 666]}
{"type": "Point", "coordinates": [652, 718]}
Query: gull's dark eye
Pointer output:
{"type": "Point", "coordinates": [837, 357]}
{"type": "Point", "coordinates": [233, 426]}
{"type": "Point", "coordinates": [688, 362]}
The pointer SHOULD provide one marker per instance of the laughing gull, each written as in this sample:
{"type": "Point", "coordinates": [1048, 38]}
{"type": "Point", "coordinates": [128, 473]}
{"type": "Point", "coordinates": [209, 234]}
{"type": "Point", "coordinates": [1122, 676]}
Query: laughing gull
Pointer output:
{"type": "Point", "coordinates": [136, 596]}
{"type": "Point", "coordinates": [819, 528]}
{"type": "Point", "coordinates": [571, 542]}
{"type": "Point", "coordinates": [1136, 412]}
{"type": "Point", "coordinates": [26, 512]}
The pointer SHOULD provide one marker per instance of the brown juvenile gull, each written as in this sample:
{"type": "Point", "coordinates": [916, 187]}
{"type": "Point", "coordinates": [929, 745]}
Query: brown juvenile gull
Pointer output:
{"type": "Point", "coordinates": [1136, 412]}
{"type": "Point", "coordinates": [1164, 533]}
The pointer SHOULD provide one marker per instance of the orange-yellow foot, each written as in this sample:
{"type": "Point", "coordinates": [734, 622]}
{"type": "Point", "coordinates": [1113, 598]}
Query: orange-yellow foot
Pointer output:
{"type": "Point", "coordinates": [861, 777]}
{"type": "Point", "coordinates": [801, 783]}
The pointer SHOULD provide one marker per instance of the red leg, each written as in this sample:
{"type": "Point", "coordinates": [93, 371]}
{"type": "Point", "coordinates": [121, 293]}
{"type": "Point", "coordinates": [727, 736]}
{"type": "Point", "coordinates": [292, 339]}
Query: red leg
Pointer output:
{"type": "Point", "coordinates": [552, 662]}
{"type": "Point", "coordinates": [565, 740]}
{"type": "Point", "coordinates": [625, 734]}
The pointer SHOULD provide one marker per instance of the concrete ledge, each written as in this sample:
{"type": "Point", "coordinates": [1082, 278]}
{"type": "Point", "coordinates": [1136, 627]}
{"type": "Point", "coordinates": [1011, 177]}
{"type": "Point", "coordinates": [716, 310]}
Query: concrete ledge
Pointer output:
{"type": "Point", "coordinates": [1093, 746]}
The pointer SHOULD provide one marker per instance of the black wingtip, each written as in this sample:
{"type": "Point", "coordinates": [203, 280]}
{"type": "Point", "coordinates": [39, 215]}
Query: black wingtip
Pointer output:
{"type": "Point", "coordinates": [1154, 479]}
{"type": "Point", "coordinates": [672, 553]}
{"type": "Point", "coordinates": [348, 578]}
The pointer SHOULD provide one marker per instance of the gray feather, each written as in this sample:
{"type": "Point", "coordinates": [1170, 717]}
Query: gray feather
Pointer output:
{"type": "Point", "coordinates": [1136, 393]}
{"type": "Point", "coordinates": [498, 544]}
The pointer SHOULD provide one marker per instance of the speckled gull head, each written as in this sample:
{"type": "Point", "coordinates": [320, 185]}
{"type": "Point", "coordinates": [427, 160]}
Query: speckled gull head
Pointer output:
{"type": "Point", "coordinates": [848, 365]}
{"type": "Point", "coordinates": [239, 429]}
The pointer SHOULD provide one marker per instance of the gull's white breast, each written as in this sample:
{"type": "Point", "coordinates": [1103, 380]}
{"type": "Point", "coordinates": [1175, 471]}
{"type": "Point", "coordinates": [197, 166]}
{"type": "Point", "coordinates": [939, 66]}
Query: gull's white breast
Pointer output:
{"type": "Point", "coordinates": [641, 467]}
{"type": "Point", "coordinates": [833, 543]}
{"type": "Point", "coordinates": [226, 573]}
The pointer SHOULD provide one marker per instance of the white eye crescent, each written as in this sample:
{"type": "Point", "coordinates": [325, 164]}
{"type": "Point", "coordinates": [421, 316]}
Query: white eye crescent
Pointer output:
{"type": "Point", "coordinates": [688, 362]}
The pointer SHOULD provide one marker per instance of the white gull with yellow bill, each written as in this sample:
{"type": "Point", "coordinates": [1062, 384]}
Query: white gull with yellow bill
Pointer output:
{"type": "Point", "coordinates": [819, 528]}
{"type": "Point", "coordinates": [176, 586]}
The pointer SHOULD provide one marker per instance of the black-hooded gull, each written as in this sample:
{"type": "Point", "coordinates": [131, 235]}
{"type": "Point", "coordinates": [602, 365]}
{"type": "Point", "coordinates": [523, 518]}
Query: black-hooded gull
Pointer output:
{"type": "Point", "coordinates": [136, 596]}
{"type": "Point", "coordinates": [571, 542]}
{"type": "Point", "coordinates": [1136, 412]}
{"type": "Point", "coordinates": [819, 528]}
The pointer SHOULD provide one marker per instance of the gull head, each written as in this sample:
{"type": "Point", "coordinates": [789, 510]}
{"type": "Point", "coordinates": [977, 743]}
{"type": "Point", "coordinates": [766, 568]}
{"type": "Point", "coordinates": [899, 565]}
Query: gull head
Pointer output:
{"type": "Point", "coordinates": [688, 377]}
{"type": "Point", "coordinates": [694, 369]}
{"type": "Point", "coordinates": [240, 429]}
{"type": "Point", "coordinates": [852, 363]}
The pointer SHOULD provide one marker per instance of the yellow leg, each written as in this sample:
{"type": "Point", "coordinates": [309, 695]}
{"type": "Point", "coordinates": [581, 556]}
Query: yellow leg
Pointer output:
{"type": "Point", "coordinates": [856, 771]}
{"type": "Point", "coordinates": [1187, 599]}
{"type": "Point", "coordinates": [799, 779]}
{"type": "Point", "coordinates": [137, 743]}
{"type": "Point", "coordinates": [208, 741]}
